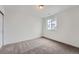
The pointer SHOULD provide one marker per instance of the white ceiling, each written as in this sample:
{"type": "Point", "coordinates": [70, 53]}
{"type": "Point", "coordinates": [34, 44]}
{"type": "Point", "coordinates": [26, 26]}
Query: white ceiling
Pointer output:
{"type": "Point", "coordinates": [33, 10]}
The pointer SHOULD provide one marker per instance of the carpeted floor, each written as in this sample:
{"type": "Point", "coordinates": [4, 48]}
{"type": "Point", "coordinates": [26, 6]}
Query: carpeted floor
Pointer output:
{"type": "Point", "coordinates": [38, 46]}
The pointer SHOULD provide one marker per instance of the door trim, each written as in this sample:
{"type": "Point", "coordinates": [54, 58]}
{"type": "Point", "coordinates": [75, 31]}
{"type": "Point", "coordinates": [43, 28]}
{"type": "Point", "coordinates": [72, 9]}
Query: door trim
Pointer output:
{"type": "Point", "coordinates": [2, 28]}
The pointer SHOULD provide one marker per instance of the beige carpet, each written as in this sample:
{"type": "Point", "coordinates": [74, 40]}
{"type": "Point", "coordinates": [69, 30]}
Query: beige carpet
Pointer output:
{"type": "Point", "coordinates": [38, 46]}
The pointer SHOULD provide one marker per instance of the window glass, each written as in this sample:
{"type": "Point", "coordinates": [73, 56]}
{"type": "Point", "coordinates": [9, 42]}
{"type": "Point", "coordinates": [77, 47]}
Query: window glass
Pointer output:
{"type": "Point", "coordinates": [51, 24]}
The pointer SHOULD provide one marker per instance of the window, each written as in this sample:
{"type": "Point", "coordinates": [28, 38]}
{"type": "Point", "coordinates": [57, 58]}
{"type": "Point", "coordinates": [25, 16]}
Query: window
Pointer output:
{"type": "Point", "coordinates": [51, 24]}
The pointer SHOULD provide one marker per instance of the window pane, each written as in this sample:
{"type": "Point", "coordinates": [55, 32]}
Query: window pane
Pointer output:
{"type": "Point", "coordinates": [49, 24]}
{"type": "Point", "coordinates": [54, 24]}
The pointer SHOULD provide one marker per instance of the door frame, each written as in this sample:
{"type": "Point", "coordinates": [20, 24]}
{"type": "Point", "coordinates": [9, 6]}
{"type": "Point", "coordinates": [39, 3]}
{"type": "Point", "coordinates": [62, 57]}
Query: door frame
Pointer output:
{"type": "Point", "coordinates": [2, 28]}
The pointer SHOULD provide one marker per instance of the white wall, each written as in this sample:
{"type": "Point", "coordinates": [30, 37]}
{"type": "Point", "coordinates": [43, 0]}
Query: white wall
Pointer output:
{"type": "Point", "coordinates": [2, 8]}
{"type": "Point", "coordinates": [20, 25]}
{"type": "Point", "coordinates": [67, 29]}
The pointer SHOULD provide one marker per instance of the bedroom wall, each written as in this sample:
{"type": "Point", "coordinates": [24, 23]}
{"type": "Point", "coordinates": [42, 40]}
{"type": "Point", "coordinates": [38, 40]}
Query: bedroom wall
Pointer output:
{"type": "Point", "coordinates": [20, 25]}
{"type": "Point", "coordinates": [67, 27]}
{"type": "Point", "coordinates": [2, 8]}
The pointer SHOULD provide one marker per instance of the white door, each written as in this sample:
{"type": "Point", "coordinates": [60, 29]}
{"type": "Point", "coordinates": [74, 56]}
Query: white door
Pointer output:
{"type": "Point", "coordinates": [0, 29]}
